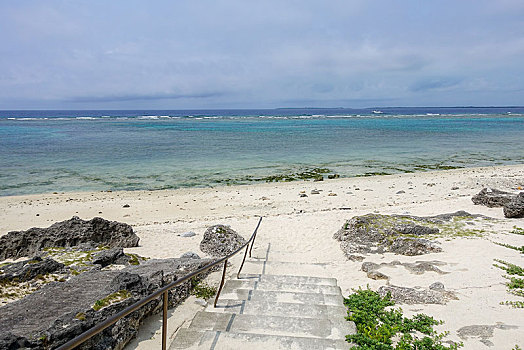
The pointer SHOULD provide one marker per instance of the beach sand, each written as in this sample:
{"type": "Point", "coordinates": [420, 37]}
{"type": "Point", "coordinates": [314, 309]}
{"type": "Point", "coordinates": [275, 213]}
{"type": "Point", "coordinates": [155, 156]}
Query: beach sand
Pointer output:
{"type": "Point", "coordinates": [305, 226]}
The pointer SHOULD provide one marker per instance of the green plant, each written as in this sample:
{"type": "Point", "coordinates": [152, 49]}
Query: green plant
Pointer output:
{"type": "Point", "coordinates": [514, 304]}
{"type": "Point", "coordinates": [202, 290]}
{"type": "Point", "coordinates": [511, 269]}
{"type": "Point", "coordinates": [517, 230]}
{"type": "Point", "coordinates": [519, 249]}
{"type": "Point", "coordinates": [517, 348]}
{"type": "Point", "coordinates": [377, 327]}
{"type": "Point", "coordinates": [111, 299]}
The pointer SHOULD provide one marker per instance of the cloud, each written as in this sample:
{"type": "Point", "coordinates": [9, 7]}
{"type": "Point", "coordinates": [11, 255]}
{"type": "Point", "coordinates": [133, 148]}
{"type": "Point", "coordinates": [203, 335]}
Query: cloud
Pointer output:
{"type": "Point", "coordinates": [124, 98]}
{"type": "Point", "coordinates": [435, 84]}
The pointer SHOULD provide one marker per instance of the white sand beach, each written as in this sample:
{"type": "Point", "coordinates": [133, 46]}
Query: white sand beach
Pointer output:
{"type": "Point", "coordinates": [305, 227]}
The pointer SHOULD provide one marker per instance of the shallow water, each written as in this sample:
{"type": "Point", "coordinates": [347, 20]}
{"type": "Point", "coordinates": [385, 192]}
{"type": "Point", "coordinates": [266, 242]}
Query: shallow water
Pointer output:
{"type": "Point", "coordinates": [47, 151]}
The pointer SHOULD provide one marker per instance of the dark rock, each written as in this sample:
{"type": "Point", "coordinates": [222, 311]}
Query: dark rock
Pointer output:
{"type": "Point", "coordinates": [413, 246]}
{"type": "Point", "coordinates": [190, 255]}
{"type": "Point", "coordinates": [59, 311]}
{"type": "Point", "coordinates": [126, 206]}
{"type": "Point", "coordinates": [302, 195]}
{"type": "Point", "coordinates": [220, 240]}
{"type": "Point", "coordinates": [369, 266]}
{"type": "Point", "coordinates": [515, 207]}
{"type": "Point", "coordinates": [401, 192]}
{"type": "Point", "coordinates": [492, 197]}
{"type": "Point", "coordinates": [376, 275]}
{"type": "Point", "coordinates": [437, 286]}
{"type": "Point", "coordinates": [67, 233]}
{"type": "Point", "coordinates": [315, 192]}
{"type": "Point", "coordinates": [109, 256]}
{"type": "Point", "coordinates": [375, 233]}
{"type": "Point", "coordinates": [406, 295]}
{"type": "Point", "coordinates": [28, 269]}
{"type": "Point", "coordinates": [421, 267]}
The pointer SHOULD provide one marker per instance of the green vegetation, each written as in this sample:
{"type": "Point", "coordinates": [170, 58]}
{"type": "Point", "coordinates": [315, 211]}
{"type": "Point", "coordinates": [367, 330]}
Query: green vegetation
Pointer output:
{"type": "Point", "coordinates": [111, 299]}
{"type": "Point", "coordinates": [513, 304]}
{"type": "Point", "coordinates": [134, 259]}
{"type": "Point", "coordinates": [519, 249]}
{"type": "Point", "coordinates": [381, 329]}
{"type": "Point", "coordinates": [316, 174]}
{"type": "Point", "coordinates": [202, 290]}
{"type": "Point", "coordinates": [80, 316]}
{"type": "Point", "coordinates": [511, 269]}
{"type": "Point", "coordinates": [517, 230]}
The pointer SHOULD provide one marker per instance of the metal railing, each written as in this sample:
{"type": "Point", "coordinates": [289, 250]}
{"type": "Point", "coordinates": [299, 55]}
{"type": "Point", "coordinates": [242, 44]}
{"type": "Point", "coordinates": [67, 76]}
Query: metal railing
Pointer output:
{"type": "Point", "coordinates": [164, 291]}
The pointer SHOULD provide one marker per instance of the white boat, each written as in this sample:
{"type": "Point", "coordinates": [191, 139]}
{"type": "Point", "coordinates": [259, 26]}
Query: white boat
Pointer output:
{"type": "Point", "coordinates": [378, 112]}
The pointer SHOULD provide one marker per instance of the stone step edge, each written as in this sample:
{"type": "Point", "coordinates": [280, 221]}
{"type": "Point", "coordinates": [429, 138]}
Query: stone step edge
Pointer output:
{"type": "Point", "coordinates": [240, 294]}
{"type": "Point", "coordinates": [213, 336]}
{"type": "Point", "coordinates": [327, 281]}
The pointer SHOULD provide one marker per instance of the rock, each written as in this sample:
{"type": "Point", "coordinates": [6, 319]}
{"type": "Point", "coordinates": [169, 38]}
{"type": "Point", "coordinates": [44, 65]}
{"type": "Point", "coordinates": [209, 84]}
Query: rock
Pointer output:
{"type": "Point", "coordinates": [59, 311]}
{"type": "Point", "coordinates": [369, 266]}
{"type": "Point", "coordinates": [67, 233]}
{"type": "Point", "coordinates": [315, 192]}
{"type": "Point", "coordinates": [302, 195]}
{"type": "Point", "coordinates": [375, 233]}
{"type": "Point", "coordinates": [401, 192]}
{"type": "Point", "coordinates": [413, 246]}
{"type": "Point", "coordinates": [220, 240]}
{"type": "Point", "coordinates": [420, 267]}
{"type": "Point", "coordinates": [354, 257]}
{"type": "Point", "coordinates": [437, 286]}
{"type": "Point", "coordinates": [454, 188]}
{"type": "Point", "coordinates": [375, 275]}
{"type": "Point", "coordinates": [28, 269]}
{"type": "Point", "coordinates": [190, 255]}
{"type": "Point", "coordinates": [110, 256]}
{"type": "Point", "coordinates": [126, 206]}
{"type": "Point", "coordinates": [492, 197]}
{"type": "Point", "coordinates": [187, 234]}
{"type": "Point", "coordinates": [406, 295]}
{"type": "Point", "coordinates": [332, 194]}
{"type": "Point", "coordinates": [333, 176]}
{"type": "Point", "coordinates": [515, 207]}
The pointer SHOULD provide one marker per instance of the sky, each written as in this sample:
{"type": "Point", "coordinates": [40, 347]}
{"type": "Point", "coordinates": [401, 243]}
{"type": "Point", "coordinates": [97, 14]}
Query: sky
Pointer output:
{"type": "Point", "coordinates": [158, 54]}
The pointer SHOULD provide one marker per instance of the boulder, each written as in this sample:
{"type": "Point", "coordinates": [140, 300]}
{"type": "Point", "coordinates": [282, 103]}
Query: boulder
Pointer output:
{"type": "Point", "coordinates": [110, 256]}
{"type": "Point", "coordinates": [190, 255]}
{"type": "Point", "coordinates": [69, 233]}
{"type": "Point", "coordinates": [220, 240]}
{"type": "Point", "coordinates": [515, 207]}
{"type": "Point", "coordinates": [60, 311]}
{"type": "Point", "coordinates": [28, 269]}
{"type": "Point", "coordinates": [405, 295]}
{"type": "Point", "coordinates": [492, 198]}
{"type": "Point", "coordinates": [413, 246]}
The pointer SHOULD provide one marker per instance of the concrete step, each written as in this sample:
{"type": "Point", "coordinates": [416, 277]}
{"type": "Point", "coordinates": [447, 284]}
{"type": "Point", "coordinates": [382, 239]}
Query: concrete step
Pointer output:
{"type": "Point", "coordinates": [327, 281]}
{"type": "Point", "coordinates": [286, 297]}
{"type": "Point", "coordinates": [274, 325]}
{"type": "Point", "coordinates": [218, 340]}
{"type": "Point", "coordinates": [275, 255]}
{"type": "Point", "coordinates": [232, 285]}
{"type": "Point", "coordinates": [285, 268]}
{"type": "Point", "coordinates": [271, 308]}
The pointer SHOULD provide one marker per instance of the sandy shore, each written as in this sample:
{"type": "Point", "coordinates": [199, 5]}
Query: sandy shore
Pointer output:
{"type": "Point", "coordinates": [305, 225]}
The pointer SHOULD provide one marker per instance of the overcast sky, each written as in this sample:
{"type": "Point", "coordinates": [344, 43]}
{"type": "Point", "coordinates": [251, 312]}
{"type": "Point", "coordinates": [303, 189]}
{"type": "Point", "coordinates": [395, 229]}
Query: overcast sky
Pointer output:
{"type": "Point", "coordinates": [98, 54]}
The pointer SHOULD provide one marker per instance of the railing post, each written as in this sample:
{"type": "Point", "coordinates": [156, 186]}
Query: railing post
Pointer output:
{"type": "Point", "coordinates": [243, 260]}
{"type": "Point", "coordinates": [164, 321]}
{"type": "Point", "coordinates": [221, 283]}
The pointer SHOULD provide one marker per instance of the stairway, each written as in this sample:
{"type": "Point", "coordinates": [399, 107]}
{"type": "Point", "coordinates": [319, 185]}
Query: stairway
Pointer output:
{"type": "Point", "coordinates": [274, 305]}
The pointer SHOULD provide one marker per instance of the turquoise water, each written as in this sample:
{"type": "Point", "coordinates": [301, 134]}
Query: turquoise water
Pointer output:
{"type": "Point", "coordinates": [46, 151]}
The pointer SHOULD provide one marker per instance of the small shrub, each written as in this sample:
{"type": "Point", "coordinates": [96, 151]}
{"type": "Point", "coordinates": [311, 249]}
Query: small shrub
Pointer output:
{"type": "Point", "coordinates": [203, 290]}
{"type": "Point", "coordinates": [511, 269]}
{"type": "Point", "coordinates": [517, 230]}
{"type": "Point", "coordinates": [377, 327]}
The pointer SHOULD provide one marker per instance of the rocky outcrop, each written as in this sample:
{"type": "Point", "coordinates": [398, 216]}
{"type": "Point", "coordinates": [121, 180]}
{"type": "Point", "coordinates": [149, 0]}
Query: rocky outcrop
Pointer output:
{"type": "Point", "coordinates": [69, 233]}
{"type": "Point", "coordinates": [492, 198]}
{"type": "Point", "coordinates": [59, 311]}
{"type": "Point", "coordinates": [413, 246]}
{"type": "Point", "coordinates": [435, 294]}
{"type": "Point", "coordinates": [515, 207]}
{"type": "Point", "coordinates": [28, 269]}
{"type": "Point", "coordinates": [220, 240]}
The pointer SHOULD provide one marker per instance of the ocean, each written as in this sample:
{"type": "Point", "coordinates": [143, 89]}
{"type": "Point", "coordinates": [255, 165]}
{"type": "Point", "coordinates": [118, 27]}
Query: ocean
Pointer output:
{"type": "Point", "coordinates": [64, 151]}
